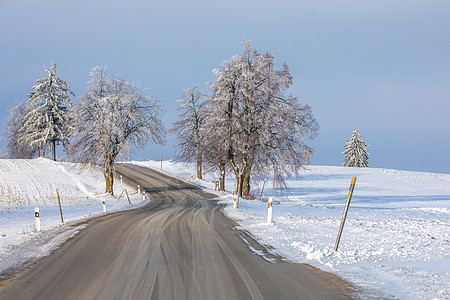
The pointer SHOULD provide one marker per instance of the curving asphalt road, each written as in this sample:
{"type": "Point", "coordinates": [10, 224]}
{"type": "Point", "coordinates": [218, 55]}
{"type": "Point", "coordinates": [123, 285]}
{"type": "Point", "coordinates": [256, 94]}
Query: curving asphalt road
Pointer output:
{"type": "Point", "coordinates": [180, 246]}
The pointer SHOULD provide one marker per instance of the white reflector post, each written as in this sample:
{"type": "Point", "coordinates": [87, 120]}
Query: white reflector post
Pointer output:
{"type": "Point", "coordinates": [37, 219]}
{"type": "Point", "coordinates": [269, 210]}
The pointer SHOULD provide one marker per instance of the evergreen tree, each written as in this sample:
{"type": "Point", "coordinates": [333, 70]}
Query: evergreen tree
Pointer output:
{"type": "Point", "coordinates": [47, 121]}
{"type": "Point", "coordinates": [355, 152]}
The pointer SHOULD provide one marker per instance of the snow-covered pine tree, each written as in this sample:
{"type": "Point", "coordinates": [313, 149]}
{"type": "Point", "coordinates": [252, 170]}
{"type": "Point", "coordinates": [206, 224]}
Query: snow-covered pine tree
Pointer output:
{"type": "Point", "coordinates": [355, 152]}
{"type": "Point", "coordinates": [47, 121]}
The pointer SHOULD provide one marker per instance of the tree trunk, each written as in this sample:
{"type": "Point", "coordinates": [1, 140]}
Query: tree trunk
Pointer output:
{"type": "Point", "coordinates": [54, 150]}
{"type": "Point", "coordinates": [245, 185]}
{"type": "Point", "coordinates": [199, 163]}
{"type": "Point", "coordinates": [245, 179]}
{"type": "Point", "coordinates": [222, 177]}
{"type": "Point", "coordinates": [239, 178]}
{"type": "Point", "coordinates": [109, 176]}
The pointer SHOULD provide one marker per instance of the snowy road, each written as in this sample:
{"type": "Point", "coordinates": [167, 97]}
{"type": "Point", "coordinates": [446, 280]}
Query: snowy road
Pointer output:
{"type": "Point", "coordinates": [180, 246]}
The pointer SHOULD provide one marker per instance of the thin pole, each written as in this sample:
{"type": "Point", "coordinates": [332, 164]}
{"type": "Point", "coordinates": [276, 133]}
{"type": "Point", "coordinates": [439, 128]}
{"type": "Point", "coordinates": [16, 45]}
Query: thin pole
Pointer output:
{"type": "Point", "coordinates": [37, 219]}
{"type": "Point", "coordinates": [60, 209]}
{"type": "Point", "coordinates": [126, 192]}
{"type": "Point", "coordinates": [349, 197]}
{"type": "Point", "coordinates": [262, 191]}
{"type": "Point", "coordinates": [269, 210]}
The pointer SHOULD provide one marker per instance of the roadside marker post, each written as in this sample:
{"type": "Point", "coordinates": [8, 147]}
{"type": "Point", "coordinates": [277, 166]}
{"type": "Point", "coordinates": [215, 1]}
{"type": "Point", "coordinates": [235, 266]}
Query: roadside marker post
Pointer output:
{"type": "Point", "coordinates": [37, 219]}
{"type": "Point", "coordinates": [60, 209]}
{"type": "Point", "coordinates": [143, 196]}
{"type": "Point", "coordinates": [139, 189]}
{"type": "Point", "coordinates": [344, 216]}
{"type": "Point", "coordinates": [121, 181]}
{"type": "Point", "coordinates": [126, 192]}
{"type": "Point", "coordinates": [234, 201]}
{"type": "Point", "coordinates": [104, 206]}
{"type": "Point", "coordinates": [269, 210]}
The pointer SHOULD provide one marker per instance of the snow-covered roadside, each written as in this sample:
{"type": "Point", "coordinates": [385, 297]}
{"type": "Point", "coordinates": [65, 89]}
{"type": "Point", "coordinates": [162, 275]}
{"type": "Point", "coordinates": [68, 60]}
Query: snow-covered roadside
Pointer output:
{"type": "Point", "coordinates": [25, 184]}
{"type": "Point", "coordinates": [396, 241]}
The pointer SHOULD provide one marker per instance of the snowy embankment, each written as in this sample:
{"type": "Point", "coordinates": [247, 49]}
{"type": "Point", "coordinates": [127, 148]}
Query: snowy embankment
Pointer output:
{"type": "Point", "coordinates": [396, 240]}
{"type": "Point", "coordinates": [25, 184]}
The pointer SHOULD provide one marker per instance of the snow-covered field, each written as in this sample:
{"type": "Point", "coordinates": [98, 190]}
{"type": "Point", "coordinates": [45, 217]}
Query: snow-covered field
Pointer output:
{"type": "Point", "coordinates": [25, 184]}
{"type": "Point", "coordinates": [395, 244]}
{"type": "Point", "coordinates": [396, 240]}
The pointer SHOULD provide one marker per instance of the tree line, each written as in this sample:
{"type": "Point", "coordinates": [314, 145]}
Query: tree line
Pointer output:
{"type": "Point", "coordinates": [245, 123]}
{"type": "Point", "coordinates": [114, 117]}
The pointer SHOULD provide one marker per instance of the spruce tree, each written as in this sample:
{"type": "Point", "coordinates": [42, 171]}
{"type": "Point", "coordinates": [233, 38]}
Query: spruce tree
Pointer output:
{"type": "Point", "coordinates": [47, 120]}
{"type": "Point", "coordinates": [355, 152]}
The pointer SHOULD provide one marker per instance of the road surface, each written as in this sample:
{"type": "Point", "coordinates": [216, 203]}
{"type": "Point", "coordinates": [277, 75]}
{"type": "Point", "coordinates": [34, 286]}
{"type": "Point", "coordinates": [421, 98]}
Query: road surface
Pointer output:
{"type": "Point", "coordinates": [180, 246]}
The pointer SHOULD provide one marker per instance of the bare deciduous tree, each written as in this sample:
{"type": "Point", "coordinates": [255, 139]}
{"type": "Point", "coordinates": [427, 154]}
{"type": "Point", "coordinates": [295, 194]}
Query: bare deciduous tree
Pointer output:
{"type": "Point", "coordinates": [260, 126]}
{"type": "Point", "coordinates": [114, 117]}
{"type": "Point", "coordinates": [188, 126]}
{"type": "Point", "coordinates": [13, 133]}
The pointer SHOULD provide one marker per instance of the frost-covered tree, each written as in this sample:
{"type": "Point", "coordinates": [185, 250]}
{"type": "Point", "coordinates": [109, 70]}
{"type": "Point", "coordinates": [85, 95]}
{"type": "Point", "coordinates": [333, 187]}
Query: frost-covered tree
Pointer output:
{"type": "Point", "coordinates": [113, 118]}
{"type": "Point", "coordinates": [13, 133]}
{"type": "Point", "coordinates": [261, 126]}
{"type": "Point", "coordinates": [187, 127]}
{"type": "Point", "coordinates": [215, 154]}
{"type": "Point", "coordinates": [46, 122]}
{"type": "Point", "coordinates": [355, 152]}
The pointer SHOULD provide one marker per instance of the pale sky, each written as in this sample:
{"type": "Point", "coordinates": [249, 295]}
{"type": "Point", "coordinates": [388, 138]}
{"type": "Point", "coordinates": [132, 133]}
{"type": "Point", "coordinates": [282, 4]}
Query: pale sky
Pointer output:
{"type": "Point", "coordinates": [382, 67]}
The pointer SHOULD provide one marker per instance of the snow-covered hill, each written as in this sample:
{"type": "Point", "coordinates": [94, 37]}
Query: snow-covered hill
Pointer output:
{"type": "Point", "coordinates": [25, 184]}
{"type": "Point", "coordinates": [395, 244]}
{"type": "Point", "coordinates": [396, 240]}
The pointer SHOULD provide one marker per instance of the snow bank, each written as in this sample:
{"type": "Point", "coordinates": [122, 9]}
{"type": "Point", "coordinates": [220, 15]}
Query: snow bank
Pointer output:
{"type": "Point", "coordinates": [396, 240]}
{"type": "Point", "coordinates": [25, 184]}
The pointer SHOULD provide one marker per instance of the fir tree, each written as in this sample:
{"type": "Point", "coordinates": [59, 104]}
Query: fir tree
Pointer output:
{"type": "Point", "coordinates": [47, 121]}
{"type": "Point", "coordinates": [355, 152]}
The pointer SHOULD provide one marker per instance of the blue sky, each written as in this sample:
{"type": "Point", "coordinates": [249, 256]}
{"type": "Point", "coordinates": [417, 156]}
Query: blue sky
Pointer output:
{"type": "Point", "coordinates": [382, 67]}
